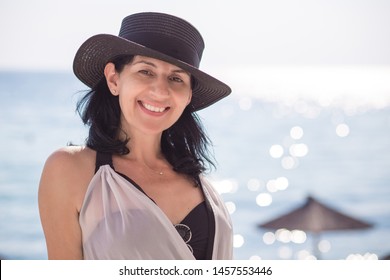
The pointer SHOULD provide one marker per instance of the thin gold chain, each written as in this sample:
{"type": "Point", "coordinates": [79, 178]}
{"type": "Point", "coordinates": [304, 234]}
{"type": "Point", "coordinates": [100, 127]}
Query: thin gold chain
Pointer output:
{"type": "Point", "coordinates": [155, 171]}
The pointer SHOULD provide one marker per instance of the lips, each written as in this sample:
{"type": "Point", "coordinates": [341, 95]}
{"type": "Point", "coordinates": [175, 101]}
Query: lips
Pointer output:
{"type": "Point", "coordinates": [152, 108]}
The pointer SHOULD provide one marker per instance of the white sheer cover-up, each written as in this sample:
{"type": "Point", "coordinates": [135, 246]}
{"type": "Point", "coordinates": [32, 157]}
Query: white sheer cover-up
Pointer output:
{"type": "Point", "coordinates": [118, 221]}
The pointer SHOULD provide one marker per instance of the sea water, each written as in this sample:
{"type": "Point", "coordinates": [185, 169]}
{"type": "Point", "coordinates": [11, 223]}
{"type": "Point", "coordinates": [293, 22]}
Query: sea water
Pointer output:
{"type": "Point", "coordinates": [271, 154]}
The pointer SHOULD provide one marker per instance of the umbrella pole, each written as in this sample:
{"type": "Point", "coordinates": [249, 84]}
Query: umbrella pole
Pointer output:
{"type": "Point", "coordinates": [316, 249]}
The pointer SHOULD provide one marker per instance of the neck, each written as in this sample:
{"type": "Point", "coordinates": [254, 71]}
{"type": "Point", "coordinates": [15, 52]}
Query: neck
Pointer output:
{"type": "Point", "coordinates": [146, 149]}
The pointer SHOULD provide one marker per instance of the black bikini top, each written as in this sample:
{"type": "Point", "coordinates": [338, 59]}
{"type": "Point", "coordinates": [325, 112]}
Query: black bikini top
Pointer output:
{"type": "Point", "coordinates": [197, 229]}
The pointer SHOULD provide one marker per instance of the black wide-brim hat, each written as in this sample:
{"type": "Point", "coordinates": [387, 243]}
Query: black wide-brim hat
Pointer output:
{"type": "Point", "coordinates": [157, 35]}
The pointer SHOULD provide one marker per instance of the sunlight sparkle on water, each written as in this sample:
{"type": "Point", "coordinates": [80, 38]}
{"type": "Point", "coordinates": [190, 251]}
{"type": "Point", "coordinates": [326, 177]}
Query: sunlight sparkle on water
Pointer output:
{"type": "Point", "coordinates": [305, 255]}
{"type": "Point", "coordinates": [278, 184]}
{"type": "Point", "coordinates": [353, 88]}
{"type": "Point", "coordinates": [276, 151]}
{"type": "Point", "coordinates": [324, 246]}
{"type": "Point", "coordinates": [289, 162]}
{"type": "Point", "coordinates": [269, 238]}
{"type": "Point", "coordinates": [342, 130]}
{"type": "Point", "coordinates": [296, 132]}
{"type": "Point", "coordinates": [254, 184]}
{"type": "Point", "coordinates": [298, 236]}
{"type": "Point", "coordinates": [283, 235]}
{"type": "Point", "coordinates": [298, 150]}
{"type": "Point", "coordinates": [366, 256]}
{"type": "Point", "coordinates": [225, 186]}
{"type": "Point", "coordinates": [238, 241]}
{"type": "Point", "coordinates": [282, 183]}
{"type": "Point", "coordinates": [231, 207]}
{"type": "Point", "coordinates": [264, 199]}
{"type": "Point", "coordinates": [271, 186]}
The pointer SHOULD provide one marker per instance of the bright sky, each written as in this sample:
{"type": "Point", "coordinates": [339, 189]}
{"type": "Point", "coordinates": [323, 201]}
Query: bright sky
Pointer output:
{"type": "Point", "coordinates": [245, 35]}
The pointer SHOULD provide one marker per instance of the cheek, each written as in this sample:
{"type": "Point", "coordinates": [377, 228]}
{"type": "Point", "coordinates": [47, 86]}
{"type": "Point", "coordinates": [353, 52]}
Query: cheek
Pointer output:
{"type": "Point", "coordinates": [181, 103]}
{"type": "Point", "coordinates": [185, 98]}
{"type": "Point", "coordinates": [126, 103]}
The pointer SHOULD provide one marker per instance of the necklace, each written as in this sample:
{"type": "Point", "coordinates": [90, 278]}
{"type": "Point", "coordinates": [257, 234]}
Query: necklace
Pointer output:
{"type": "Point", "coordinates": [155, 171]}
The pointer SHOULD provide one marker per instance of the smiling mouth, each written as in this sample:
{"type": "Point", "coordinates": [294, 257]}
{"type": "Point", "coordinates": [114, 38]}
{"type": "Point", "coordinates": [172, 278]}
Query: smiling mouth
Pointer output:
{"type": "Point", "coordinates": [152, 108]}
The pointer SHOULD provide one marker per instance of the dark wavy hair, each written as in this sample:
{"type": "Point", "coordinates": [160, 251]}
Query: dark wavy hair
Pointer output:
{"type": "Point", "coordinates": [185, 144]}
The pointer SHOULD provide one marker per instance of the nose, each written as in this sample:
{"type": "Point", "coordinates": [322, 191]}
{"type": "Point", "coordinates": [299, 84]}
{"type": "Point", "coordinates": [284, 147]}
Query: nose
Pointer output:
{"type": "Point", "coordinates": [161, 87]}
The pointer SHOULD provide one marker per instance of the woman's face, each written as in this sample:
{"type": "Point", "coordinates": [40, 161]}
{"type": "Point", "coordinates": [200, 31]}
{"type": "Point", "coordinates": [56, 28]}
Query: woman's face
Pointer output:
{"type": "Point", "coordinates": [152, 94]}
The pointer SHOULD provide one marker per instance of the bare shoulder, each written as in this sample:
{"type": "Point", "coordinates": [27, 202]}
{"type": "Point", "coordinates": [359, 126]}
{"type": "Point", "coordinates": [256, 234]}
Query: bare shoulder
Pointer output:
{"type": "Point", "coordinates": [64, 181]}
{"type": "Point", "coordinates": [67, 172]}
{"type": "Point", "coordinates": [71, 156]}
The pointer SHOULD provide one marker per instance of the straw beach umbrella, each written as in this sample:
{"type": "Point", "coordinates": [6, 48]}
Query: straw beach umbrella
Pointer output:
{"type": "Point", "coordinates": [315, 217]}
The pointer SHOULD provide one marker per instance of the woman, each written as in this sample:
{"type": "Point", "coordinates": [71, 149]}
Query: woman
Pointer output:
{"type": "Point", "coordinates": [136, 190]}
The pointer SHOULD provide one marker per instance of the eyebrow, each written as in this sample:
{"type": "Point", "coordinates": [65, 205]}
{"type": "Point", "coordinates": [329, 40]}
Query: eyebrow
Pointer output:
{"type": "Point", "coordinates": [154, 65]}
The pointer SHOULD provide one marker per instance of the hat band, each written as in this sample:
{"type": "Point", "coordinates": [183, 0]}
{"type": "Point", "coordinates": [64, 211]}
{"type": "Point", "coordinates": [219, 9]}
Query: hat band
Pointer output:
{"type": "Point", "coordinates": [170, 46]}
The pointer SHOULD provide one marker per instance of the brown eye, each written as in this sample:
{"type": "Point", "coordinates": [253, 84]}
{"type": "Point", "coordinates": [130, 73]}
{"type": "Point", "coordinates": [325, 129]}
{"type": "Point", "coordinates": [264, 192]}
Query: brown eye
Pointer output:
{"type": "Point", "coordinates": [145, 72]}
{"type": "Point", "coordinates": [176, 79]}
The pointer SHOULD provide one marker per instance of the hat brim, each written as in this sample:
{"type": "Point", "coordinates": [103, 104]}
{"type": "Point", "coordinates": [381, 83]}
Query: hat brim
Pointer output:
{"type": "Point", "coordinates": [97, 51]}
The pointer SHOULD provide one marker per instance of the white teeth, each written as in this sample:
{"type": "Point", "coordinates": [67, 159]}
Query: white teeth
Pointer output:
{"type": "Point", "coordinates": [153, 108]}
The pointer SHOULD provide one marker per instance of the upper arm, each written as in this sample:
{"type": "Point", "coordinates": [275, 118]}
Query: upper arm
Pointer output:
{"type": "Point", "coordinates": [58, 206]}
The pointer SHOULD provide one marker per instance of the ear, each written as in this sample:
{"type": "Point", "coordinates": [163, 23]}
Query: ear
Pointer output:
{"type": "Point", "coordinates": [112, 78]}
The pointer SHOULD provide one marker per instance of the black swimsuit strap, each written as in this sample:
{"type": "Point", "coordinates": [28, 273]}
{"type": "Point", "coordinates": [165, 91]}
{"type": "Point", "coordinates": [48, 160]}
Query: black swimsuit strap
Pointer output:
{"type": "Point", "coordinates": [103, 159]}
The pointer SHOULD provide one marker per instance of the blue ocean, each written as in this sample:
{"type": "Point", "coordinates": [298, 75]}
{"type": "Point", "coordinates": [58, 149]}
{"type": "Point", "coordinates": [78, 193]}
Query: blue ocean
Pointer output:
{"type": "Point", "coordinates": [271, 155]}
